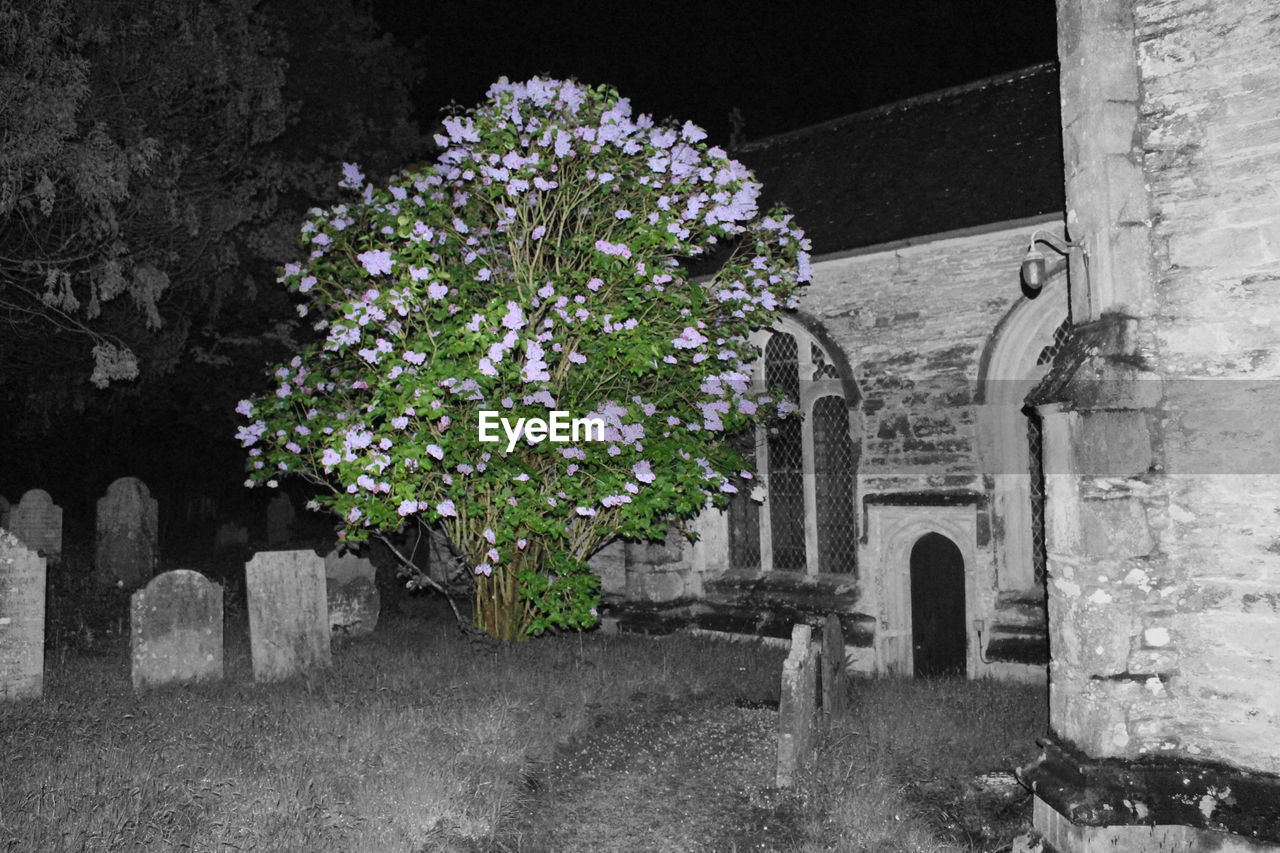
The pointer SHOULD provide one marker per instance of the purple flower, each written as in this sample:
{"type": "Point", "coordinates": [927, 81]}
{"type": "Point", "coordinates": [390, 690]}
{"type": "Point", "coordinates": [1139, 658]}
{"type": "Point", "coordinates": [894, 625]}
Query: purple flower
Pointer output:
{"type": "Point", "coordinates": [446, 509]}
{"type": "Point", "coordinates": [490, 536]}
{"type": "Point", "coordinates": [585, 511]}
{"type": "Point", "coordinates": [351, 176]}
{"type": "Point", "coordinates": [435, 450]}
{"type": "Point", "coordinates": [484, 569]}
{"type": "Point", "coordinates": [436, 290]}
{"type": "Point", "coordinates": [690, 338]}
{"type": "Point", "coordinates": [375, 261]}
{"type": "Point", "coordinates": [514, 318]}
{"type": "Point", "coordinates": [330, 457]}
{"type": "Point", "coordinates": [617, 249]}
{"type": "Point", "coordinates": [643, 471]}
{"type": "Point", "coordinates": [407, 507]}
{"type": "Point", "coordinates": [692, 133]}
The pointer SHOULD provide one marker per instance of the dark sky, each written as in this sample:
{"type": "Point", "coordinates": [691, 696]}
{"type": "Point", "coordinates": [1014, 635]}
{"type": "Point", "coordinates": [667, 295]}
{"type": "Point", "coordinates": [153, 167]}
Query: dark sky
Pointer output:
{"type": "Point", "coordinates": [783, 65]}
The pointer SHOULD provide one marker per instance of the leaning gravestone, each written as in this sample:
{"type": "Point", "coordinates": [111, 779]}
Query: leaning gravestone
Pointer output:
{"type": "Point", "coordinates": [288, 619]}
{"type": "Point", "coordinates": [128, 534]}
{"type": "Point", "coordinates": [176, 630]}
{"type": "Point", "coordinates": [797, 708]}
{"type": "Point", "coordinates": [280, 517]}
{"type": "Point", "coordinates": [352, 593]}
{"type": "Point", "coordinates": [22, 574]}
{"type": "Point", "coordinates": [37, 522]}
{"type": "Point", "coordinates": [835, 681]}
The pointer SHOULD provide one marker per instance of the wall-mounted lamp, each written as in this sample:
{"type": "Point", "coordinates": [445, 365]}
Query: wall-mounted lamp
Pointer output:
{"type": "Point", "coordinates": [1033, 265]}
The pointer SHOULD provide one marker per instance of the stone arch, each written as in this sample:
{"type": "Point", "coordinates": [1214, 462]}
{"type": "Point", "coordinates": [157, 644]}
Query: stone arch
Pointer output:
{"type": "Point", "coordinates": [893, 530]}
{"type": "Point", "coordinates": [819, 511]}
{"type": "Point", "coordinates": [1013, 361]}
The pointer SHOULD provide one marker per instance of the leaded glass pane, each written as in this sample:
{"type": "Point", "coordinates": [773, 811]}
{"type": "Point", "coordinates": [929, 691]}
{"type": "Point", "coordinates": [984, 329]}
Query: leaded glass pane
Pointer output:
{"type": "Point", "coordinates": [1035, 447]}
{"type": "Point", "coordinates": [786, 458]}
{"type": "Point", "coordinates": [834, 466]}
{"type": "Point", "coordinates": [781, 365]}
{"type": "Point", "coordinates": [744, 513]}
{"type": "Point", "coordinates": [786, 495]}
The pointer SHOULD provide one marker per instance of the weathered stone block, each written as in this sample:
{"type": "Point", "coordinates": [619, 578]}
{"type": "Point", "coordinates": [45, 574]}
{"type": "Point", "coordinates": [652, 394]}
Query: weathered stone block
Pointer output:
{"type": "Point", "coordinates": [280, 518]}
{"type": "Point", "coordinates": [352, 593]}
{"type": "Point", "coordinates": [797, 711]}
{"type": "Point", "coordinates": [37, 522]}
{"type": "Point", "coordinates": [835, 679]}
{"type": "Point", "coordinates": [288, 613]}
{"type": "Point", "coordinates": [230, 535]}
{"type": "Point", "coordinates": [655, 584]}
{"type": "Point", "coordinates": [176, 630]}
{"type": "Point", "coordinates": [610, 563]}
{"type": "Point", "coordinates": [1114, 528]}
{"type": "Point", "coordinates": [1112, 444]}
{"type": "Point", "coordinates": [22, 582]}
{"type": "Point", "coordinates": [128, 534]}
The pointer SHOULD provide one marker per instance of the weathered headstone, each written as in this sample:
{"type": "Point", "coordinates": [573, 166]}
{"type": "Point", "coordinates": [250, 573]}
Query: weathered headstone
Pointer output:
{"type": "Point", "coordinates": [128, 534]}
{"type": "Point", "coordinates": [176, 630]}
{"type": "Point", "coordinates": [352, 593]}
{"type": "Point", "coordinates": [796, 712]}
{"type": "Point", "coordinates": [37, 522]}
{"type": "Point", "coordinates": [835, 680]}
{"type": "Point", "coordinates": [280, 515]}
{"type": "Point", "coordinates": [288, 618]}
{"type": "Point", "coordinates": [230, 535]}
{"type": "Point", "coordinates": [22, 575]}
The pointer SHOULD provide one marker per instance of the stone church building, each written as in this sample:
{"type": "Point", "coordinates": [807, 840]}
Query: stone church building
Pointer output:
{"type": "Point", "coordinates": [1087, 475]}
{"type": "Point", "coordinates": [908, 499]}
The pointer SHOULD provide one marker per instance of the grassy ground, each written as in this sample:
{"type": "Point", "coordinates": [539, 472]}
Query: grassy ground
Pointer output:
{"type": "Point", "coordinates": [418, 739]}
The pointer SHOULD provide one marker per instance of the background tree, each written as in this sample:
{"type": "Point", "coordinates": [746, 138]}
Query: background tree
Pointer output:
{"type": "Point", "coordinates": [535, 269]}
{"type": "Point", "coordinates": [157, 158]}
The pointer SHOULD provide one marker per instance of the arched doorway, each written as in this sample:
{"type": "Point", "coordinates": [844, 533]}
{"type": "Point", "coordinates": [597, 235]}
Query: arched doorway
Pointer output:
{"type": "Point", "coordinates": [938, 632]}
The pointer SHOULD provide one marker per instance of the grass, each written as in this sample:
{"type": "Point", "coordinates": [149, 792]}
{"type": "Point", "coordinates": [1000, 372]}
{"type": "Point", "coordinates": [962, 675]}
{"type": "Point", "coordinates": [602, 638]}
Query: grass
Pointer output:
{"type": "Point", "coordinates": [418, 739]}
{"type": "Point", "coordinates": [896, 773]}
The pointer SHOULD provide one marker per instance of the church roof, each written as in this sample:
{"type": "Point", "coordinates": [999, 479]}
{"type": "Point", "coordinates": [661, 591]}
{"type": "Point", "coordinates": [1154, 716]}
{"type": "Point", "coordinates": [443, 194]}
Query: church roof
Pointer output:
{"type": "Point", "coordinates": [973, 155]}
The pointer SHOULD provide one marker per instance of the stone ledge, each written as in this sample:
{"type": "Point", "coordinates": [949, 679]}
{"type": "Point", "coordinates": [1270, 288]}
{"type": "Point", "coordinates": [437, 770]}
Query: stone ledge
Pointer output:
{"type": "Point", "coordinates": [1155, 792]}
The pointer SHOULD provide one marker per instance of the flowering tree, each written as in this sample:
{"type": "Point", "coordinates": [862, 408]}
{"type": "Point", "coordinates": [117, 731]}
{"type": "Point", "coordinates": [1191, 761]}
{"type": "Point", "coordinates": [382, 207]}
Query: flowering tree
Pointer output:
{"type": "Point", "coordinates": [534, 268]}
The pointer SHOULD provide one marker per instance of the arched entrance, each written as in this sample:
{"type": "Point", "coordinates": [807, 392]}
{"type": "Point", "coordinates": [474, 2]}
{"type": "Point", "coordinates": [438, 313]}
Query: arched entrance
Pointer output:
{"type": "Point", "coordinates": [938, 632]}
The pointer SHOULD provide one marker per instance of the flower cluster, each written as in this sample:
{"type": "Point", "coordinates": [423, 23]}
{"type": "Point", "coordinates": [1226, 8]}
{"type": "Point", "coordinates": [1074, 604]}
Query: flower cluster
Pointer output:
{"type": "Point", "coordinates": [539, 265]}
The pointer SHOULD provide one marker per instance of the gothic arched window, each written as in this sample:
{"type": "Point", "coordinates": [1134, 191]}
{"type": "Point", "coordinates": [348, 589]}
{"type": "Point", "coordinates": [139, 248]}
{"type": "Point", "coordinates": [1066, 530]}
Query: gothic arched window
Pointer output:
{"type": "Point", "coordinates": [807, 467]}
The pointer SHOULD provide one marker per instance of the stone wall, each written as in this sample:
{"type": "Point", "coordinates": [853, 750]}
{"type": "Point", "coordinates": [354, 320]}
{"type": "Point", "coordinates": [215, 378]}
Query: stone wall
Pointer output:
{"type": "Point", "coordinates": [914, 324]}
{"type": "Point", "coordinates": [1160, 429]}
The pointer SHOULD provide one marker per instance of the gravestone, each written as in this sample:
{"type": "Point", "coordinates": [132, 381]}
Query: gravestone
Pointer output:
{"type": "Point", "coordinates": [835, 680]}
{"type": "Point", "coordinates": [796, 712]}
{"type": "Point", "coordinates": [176, 630]}
{"type": "Point", "coordinates": [352, 593]}
{"type": "Point", "coordinates": [280, 515]}
{"type": "Point", "coordinates": [288, 618]}
{"type": "Point", "coordinates": [37, 522]}
{"type": "Point", "coordinates": [230, 535]}
{"type": "Point", "coordinates": [128, 534]}
{"type": "Point", "coordinates": [22, 575]}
